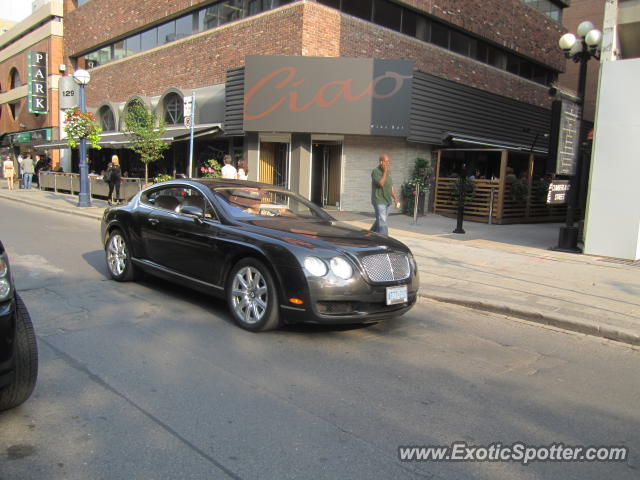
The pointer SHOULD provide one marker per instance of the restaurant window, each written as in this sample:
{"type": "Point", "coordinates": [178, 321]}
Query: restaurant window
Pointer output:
{"type": "Point", "coordinates": [173, 109]}
{"type": "Point", "coordinates": [387, 14]}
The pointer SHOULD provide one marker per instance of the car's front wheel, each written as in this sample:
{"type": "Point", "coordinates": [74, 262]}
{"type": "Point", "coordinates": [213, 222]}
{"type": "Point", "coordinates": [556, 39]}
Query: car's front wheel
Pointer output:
{"type": "Point", "coordinates": [252, 296]}
{"type": "Point", "coordinates": [118, 256]}
{"type": "Point", "coordinates": [26, 361]}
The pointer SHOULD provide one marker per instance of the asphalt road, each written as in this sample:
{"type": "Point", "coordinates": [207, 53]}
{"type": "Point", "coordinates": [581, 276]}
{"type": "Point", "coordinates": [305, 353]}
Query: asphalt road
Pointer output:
{"type": "Point", "coordinates": [151, 381]}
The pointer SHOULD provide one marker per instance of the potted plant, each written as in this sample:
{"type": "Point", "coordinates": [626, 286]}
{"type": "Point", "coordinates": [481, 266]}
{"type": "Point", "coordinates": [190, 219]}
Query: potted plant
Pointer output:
{"type": "Point", "coordinates": [416, 186]}
{"type": "Point", "coordinates": [210, 169]}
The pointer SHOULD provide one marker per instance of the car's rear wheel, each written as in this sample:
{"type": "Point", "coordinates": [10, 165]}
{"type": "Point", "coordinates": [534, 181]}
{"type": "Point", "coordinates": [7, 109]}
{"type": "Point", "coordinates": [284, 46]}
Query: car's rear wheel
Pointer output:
{"type": "Point", "coordinates": [118, 256]}
{"type": "Point", "coordinates": [26, 361]}
{"type": "Point", "coordinates": [252, 296]}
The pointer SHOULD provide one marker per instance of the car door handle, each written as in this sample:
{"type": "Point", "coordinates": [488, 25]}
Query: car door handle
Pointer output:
{"type": "Point", "coordinates": [153, 221]}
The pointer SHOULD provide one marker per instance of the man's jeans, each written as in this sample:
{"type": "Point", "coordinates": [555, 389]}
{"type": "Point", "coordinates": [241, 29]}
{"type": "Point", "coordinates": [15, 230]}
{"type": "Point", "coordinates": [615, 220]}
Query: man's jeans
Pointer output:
{"type": "Point", "coordinates": [380, 226]}
{"type": "Point", "coordinates": [26, 179]}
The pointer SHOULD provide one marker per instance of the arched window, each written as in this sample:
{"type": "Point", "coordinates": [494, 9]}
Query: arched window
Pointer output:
{"type": "Point", "coordinates": [107, 120]}
{"type": "Point", "coordinates": [173, 109]}
{"type": "Point", "coordinates": [15, 79]}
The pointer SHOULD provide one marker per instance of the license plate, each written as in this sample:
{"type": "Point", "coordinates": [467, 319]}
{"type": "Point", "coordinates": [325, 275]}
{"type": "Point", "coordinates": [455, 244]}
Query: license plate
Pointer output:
{"type": "Point", "coordinates": [396, 295]}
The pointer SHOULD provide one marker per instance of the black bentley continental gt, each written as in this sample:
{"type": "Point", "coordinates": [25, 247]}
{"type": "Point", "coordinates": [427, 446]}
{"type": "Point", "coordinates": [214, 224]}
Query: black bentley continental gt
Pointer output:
{"type": "Point", "coordinates": [274, 256]}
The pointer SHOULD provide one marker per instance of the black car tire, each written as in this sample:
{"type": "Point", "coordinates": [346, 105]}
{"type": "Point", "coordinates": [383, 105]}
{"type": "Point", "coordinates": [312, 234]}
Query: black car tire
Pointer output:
{"type": "Point", "coordinates": [254, 303]}
{"type": "Point", "coordinates": [26, 361]}
{"type": "Point", "coordinates": [118, 256]}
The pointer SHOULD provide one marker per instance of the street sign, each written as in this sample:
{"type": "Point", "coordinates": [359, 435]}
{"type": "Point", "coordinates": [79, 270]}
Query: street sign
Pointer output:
{"type": "Point", "coordinates": [558, 192]}
{"type": "Point", "coordinates": [187, 122]}
{"type": "Point", "coordinates": [188, 102]}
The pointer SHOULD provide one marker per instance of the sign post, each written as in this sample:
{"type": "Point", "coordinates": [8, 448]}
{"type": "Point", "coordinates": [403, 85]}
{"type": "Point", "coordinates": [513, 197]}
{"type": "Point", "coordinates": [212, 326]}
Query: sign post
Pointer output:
{"type": "Point", "coordinates": [189, 120]}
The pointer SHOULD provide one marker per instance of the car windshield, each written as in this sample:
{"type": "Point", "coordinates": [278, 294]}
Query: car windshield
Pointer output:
{"type": "Point", "coordinates": [250, 203]}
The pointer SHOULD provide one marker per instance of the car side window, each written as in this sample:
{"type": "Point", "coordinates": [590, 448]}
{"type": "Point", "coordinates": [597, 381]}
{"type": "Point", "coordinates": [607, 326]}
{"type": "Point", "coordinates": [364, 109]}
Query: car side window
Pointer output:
{"type": "Point", "coordinates": [175, 197]}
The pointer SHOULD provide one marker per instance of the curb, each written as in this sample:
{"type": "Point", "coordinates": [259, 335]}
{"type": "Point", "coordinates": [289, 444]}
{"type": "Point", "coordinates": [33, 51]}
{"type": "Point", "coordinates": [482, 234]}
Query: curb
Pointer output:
{"type": "Point", "coordinates": [564, 323]}
{"type": "Point", "coordinates": [32, 203]}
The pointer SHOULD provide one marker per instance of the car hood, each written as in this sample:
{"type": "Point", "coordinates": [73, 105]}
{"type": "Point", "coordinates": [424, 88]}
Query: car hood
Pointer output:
{"type": "Point", "coordinates": [319, 233]}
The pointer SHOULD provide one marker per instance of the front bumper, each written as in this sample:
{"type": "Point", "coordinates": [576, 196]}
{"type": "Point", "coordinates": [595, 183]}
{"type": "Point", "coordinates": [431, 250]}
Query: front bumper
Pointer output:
{"type": "Point", "coordinates": [330, 301]}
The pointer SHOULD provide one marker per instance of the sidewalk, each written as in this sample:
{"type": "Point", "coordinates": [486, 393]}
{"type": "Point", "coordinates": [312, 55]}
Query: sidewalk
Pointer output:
{"type": "Point", "coordinates": [505, 269]}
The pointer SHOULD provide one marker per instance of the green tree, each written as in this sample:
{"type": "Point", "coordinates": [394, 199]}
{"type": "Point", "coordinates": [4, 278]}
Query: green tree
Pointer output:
{"type": "Point", "coordinates": [145, 131]}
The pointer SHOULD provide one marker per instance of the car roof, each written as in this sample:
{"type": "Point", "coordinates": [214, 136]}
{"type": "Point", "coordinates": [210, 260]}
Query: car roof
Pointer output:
{"type": "Point", "coordinates": [229, 183]}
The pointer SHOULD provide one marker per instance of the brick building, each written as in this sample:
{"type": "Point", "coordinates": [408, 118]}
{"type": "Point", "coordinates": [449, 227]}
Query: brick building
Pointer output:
{"type": "Point", "coordinates": [478, 79]}
{"type": "Point", "coordinates": [29, 106]}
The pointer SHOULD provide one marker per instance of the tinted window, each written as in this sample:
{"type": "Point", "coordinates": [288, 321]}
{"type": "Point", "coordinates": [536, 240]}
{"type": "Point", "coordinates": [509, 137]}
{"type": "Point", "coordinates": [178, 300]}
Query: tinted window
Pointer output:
{"type": "Point", "coordinates": [173, 198]}
{"type": "Point", "coordinates": [357, 8]}
{"type": "Point", "coordinates": [460, 43]}
{"type": "Point", "coordinates": [387, 14]}
{"type": "Point", "coordinates": [439, 35]}
{"type": "Point", "coordinates": [330, 3]}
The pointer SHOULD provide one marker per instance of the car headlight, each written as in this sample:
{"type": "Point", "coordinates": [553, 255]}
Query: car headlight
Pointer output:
{"type": "Point", "coordinates": [413, 263]}
{"type": "Point", "coordinates": [5, 282]}
{"type": "Point", "coordinates": [5, 288]}
{"type": "Point", "coordinates": [4, 268]}
{"type": "Point", "coordinates": [341, 268]}
{"type": "Point", "coordinates": [315, 266]}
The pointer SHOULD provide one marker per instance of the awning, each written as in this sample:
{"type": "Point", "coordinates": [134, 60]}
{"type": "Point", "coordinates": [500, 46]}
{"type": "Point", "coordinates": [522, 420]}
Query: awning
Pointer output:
{"type": "Point", "coordinates": [457, 139]}
{"type": "Point", "coordinates": [123, 140]}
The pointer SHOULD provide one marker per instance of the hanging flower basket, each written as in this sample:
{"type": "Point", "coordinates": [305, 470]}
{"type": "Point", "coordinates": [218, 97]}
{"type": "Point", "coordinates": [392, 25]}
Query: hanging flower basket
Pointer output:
{"type": "Point", "coordinates": [79, 125]}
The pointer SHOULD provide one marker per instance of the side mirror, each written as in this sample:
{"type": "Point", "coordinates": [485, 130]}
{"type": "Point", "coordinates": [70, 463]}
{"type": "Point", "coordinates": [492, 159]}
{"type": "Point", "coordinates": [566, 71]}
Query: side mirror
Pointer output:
{"type": "Point", "coordinates": [192, 211]}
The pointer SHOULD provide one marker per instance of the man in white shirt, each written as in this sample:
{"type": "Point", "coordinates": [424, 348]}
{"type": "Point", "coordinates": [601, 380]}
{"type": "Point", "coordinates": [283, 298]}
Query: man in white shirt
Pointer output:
{"type": "Point", "coordinates": [228, 170]}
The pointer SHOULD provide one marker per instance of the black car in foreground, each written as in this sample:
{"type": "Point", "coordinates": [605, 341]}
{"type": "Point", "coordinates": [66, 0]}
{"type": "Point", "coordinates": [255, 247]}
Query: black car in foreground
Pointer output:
{"type": "Point", "coordinates": [18, 347]}
{"type": "Point", "coordinates": [274, 256]}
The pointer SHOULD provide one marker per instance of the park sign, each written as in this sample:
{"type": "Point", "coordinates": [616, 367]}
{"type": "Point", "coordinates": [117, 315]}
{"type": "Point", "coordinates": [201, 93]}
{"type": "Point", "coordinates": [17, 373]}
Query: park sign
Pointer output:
{"type": "Point", "coordinates": [37, 95]}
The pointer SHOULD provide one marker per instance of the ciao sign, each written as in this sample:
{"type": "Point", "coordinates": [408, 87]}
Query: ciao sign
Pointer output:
{"type": "Point", "coordinates": [327, 95]}
{"type": "Point", "coordinates": [37, 94]}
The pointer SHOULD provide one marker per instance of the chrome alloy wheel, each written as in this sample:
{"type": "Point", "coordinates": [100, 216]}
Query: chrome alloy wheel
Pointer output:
{"type": "Point", "coordinates": [249, 295]}
{"type": "Point", "coordinates": [117, 255]}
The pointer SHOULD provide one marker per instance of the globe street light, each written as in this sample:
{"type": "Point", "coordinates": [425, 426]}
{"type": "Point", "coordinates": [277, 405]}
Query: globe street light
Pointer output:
{"type": "Point", "coordinates": [82, 77]}
{"type": "Point", "coordinates": [580, 49]}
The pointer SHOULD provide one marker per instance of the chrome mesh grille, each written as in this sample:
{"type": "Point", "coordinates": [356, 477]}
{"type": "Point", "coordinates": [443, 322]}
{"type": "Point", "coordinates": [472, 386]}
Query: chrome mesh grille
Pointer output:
{"type": "Point", "coordinates": [386, 267]}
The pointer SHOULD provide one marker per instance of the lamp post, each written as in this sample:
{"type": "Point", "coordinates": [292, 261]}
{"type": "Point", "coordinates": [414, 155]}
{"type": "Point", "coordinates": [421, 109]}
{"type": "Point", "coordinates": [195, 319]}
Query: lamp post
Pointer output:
{"type": "Point", "coordinates": [82, 78]}
{"type": "Point", "coordinates": [581, 49]}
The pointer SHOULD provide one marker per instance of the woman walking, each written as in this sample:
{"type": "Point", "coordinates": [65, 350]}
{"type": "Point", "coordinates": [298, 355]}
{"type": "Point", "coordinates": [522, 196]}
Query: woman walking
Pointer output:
{"type": "Point", "coordinates": [8, 171]}
{"type": "Point", "coordinates": [114, 174]}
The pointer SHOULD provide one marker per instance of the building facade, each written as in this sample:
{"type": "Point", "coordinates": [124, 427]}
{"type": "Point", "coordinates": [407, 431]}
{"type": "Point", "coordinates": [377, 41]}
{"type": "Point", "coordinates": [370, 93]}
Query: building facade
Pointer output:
{"type": "Point", "coordinates": [30, 56]}
{"type": "Point", "coordinates": [479, 80]}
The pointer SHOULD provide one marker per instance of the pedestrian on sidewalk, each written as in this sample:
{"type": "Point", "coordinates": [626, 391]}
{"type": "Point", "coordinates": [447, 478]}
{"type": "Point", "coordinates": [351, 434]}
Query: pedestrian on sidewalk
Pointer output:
{"type": "Point", "coordinates": [382, 194]}
{"type": "Point", "coordinates": [114, 176]}
{"type": "Point", "coordinates": [20, 171]}
{"type": "Point", "coordinates": [228, 171]}
{"type": "Point", "coordinates": [8, 171]}
{"type": "Point", "coordinates": [27, 171]}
